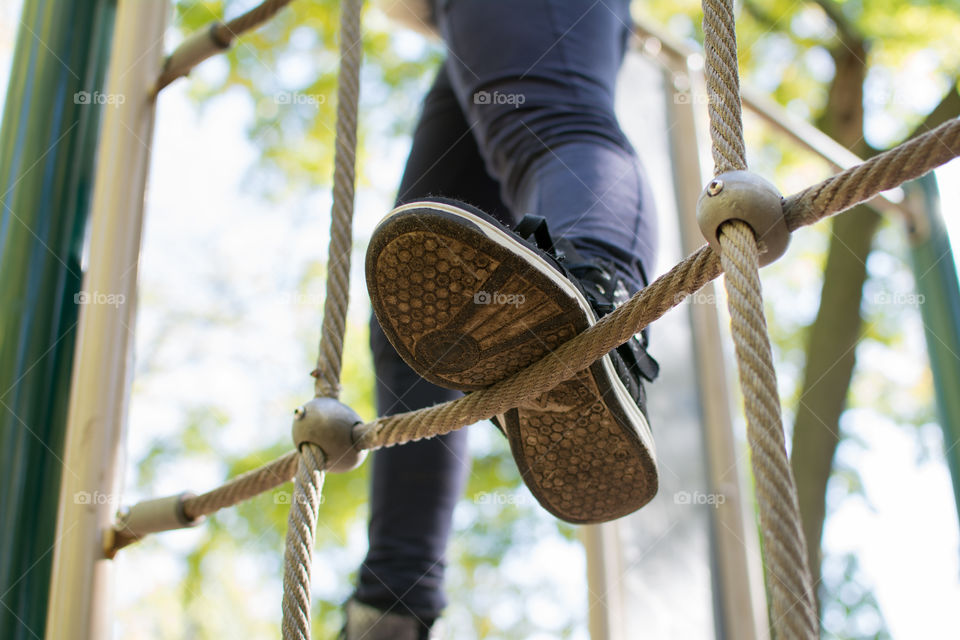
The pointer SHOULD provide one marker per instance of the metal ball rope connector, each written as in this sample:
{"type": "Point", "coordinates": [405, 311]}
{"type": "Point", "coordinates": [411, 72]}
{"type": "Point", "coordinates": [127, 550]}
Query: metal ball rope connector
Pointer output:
{"type": "Point", "coordinates": [742, 195]}
{"type": "Point", "coordinates": [329, 423]}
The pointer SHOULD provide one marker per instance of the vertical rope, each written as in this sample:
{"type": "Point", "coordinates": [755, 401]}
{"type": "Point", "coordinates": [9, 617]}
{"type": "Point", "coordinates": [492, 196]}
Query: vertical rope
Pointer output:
{"type": "Point", "coordinates": [793, 609]}
{"type": "Point", "coordinates": [723, 86]}
{"type": "Point", "coordinates": [341, 223]}
{"type": "Point", "coordinates": [302, 522]}
{"type": "Point", "coordinates": [298, 557]}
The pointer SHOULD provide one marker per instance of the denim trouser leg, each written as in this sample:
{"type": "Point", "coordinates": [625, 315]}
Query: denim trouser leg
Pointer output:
{"type": "Point", "coordinates": [519, 120]}
{"type": "Point", "coordinates": [416, 486]}
{"type": "Point", "coordinates": [414, 490]}
{"type": "Point", "coordinates": [536, 81]}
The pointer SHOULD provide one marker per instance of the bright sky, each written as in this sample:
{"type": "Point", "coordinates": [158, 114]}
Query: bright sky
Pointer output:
{"type": "Point", "coordinates": [200, 218]}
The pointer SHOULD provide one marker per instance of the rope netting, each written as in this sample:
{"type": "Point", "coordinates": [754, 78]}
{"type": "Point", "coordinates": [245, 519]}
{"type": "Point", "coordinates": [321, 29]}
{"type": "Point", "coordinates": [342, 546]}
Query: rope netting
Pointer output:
{"type": "Point", "coordinates": [793, 610]}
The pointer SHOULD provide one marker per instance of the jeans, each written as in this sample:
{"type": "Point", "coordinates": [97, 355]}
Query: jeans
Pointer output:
{"type": "Point", "coordinates": [519, 120]}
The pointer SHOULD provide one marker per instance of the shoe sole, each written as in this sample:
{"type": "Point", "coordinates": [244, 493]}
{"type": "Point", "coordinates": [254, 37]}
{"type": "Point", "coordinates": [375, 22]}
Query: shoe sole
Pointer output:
{"type": "Point", "coordinates": [467, 305]}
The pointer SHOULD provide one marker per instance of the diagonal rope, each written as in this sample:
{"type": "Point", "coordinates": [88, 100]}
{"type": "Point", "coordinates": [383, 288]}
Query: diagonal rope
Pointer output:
{"type": "Point", "coordinates": [792, 599]}
{"type": "Point", "coordinates": [907, 161]}
{"type": "Point", "coordinates": [910, 160]}
{"type": "Point", "coordinates": [793, 608]}
{"type": "Point", "coordinates": [794, 613]}
{"type": "Point", "coordinates": [242, 488]}
{"type": "Point", "coordinates": [834, 194]}
{"type": "Point", "coordinates": [663, 294]}
{"type": "Point", "coordinates": [330, 357]}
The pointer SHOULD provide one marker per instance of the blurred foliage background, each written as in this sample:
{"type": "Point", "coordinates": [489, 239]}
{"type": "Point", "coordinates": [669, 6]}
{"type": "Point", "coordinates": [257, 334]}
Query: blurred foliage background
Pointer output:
{"type": "Point", "coordinates": [840, 65]}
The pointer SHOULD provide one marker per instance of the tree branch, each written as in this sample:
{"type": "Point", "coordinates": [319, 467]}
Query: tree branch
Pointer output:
{"type": "Point", "coordinates": [948, 109]}
{"type": "Point", "coordinates": [831, 357]}
{"type": "Point", "coordinates": [759, 14]}
{"type": "Point", "coordinates": [849, 32]}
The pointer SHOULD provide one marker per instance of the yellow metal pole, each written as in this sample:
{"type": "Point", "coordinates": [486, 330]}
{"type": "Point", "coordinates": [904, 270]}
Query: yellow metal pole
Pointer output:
{"type": "Point", "coordinates": [89, 492]}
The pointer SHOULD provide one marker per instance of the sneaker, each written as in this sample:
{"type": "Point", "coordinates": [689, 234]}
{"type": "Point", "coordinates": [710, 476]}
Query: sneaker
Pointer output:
{"type": "Point", "coordinates": [365, 622]}
{"type": "Point", "coordinates": [467, 303]}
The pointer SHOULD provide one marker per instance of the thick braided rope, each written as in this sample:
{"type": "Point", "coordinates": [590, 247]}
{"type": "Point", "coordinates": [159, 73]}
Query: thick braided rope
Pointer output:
{"type": "Point", "coordinates": [341, 222]}
{"type": "Point", "coordinates": [302, 522]}
{"type": "Point", "coordinates": [579, 353]}
{"type": "Point", "coordinates": [835, 194]}
{"type": "Point", "coordinates": [252, 19]}
{"type": "Point", "coordinates": [793, 609]}
{"type": "Point", "coordinates": [242, 488]}
{"type": "Point", "coordinates": [723, 86]}
{"type": "Point", "coordinates": [907, 161]}
{"type": "Point", "coordinates": [298, 557]}
{"type": "Point", "coordinates": [910, 160]}
{"type": "Point", "coordinates": [840, 192]}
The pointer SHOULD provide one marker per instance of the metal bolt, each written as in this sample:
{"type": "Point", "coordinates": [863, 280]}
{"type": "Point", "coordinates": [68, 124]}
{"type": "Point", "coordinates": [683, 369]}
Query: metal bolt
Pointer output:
{"type": "Point", "coordinates": [715, 187]}
{"type": "Point", "coordinates": [299, 412]}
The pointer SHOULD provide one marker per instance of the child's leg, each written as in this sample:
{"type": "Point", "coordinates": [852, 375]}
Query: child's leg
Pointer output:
{"type": "Point", "coordinates": [536, 79]}
{"type": "Point", "coordinates": [416, 486]}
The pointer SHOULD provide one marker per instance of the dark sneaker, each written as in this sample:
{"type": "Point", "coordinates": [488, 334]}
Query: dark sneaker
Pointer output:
{"type": "Point", "coordinates": [365, 622]}
{"type": "Point", "coordinates": [467, 303]}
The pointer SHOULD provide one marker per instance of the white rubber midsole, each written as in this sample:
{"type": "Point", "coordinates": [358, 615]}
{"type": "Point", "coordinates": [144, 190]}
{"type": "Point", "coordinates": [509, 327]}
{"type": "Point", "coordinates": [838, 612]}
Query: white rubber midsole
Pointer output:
{"type": "Point", "coordinates": [510, 243]}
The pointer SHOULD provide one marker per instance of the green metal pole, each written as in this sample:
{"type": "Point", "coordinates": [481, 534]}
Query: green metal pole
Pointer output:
{"type": "Point", "coordinates": [47, 142]}
{"type": "Point", "coordinates": [936, 276]}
